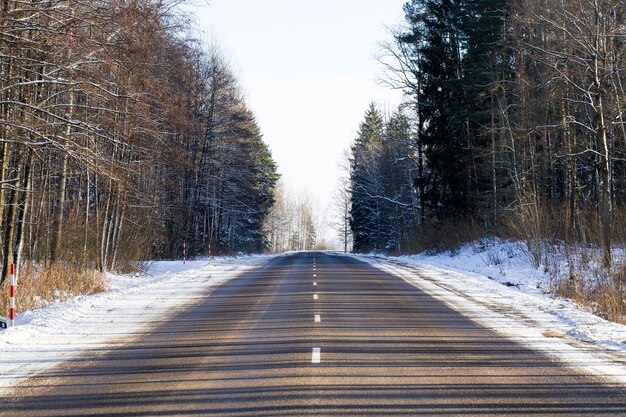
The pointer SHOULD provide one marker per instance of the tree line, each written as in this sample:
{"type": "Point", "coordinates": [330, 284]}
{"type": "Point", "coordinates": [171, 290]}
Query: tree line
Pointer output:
{"type": "Point", "coordinates": [514, 123]}
{"type": "Point", "coordinates": [121, 137]}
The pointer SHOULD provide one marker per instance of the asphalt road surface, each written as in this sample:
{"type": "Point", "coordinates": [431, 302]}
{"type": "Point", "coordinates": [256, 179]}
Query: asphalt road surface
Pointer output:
{"type": "Point", "coordinates": [313, 334]}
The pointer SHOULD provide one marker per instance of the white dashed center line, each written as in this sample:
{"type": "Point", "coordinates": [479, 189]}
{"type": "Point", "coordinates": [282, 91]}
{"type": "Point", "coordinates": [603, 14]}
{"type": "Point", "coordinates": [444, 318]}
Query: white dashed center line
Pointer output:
{"type": "Point", "coordinates": [315, 296]}
{"type": "Point", "coordinates": [315, 283]}
{"type": "Point", "coordinates": [314, 275]}
{"type": "Point", "coordinates": [318, 319]}
{"type": "Point", "coordinates": [317, 355]}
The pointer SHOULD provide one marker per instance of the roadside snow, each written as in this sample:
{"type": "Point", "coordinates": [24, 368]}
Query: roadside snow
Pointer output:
{"type": "Point", "coordinates": [46, 337]}
{"type": "Point", "coordinates": [497, 287]}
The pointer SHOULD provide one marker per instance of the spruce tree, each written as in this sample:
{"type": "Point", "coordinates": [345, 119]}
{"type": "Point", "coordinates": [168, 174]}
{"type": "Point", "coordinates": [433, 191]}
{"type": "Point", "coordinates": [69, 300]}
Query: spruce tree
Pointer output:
{"type": "Point", "coordinates": [365, 211]}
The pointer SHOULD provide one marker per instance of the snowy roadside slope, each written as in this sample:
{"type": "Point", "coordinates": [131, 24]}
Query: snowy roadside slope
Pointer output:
{"type": "Point", "coordinates": [556, 327]}
{"type": "Point", "coordinates": [46, 337]}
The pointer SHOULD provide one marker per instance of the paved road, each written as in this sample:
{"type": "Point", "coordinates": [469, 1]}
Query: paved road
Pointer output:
{"type": "Point", "coordinates": [385, 349]}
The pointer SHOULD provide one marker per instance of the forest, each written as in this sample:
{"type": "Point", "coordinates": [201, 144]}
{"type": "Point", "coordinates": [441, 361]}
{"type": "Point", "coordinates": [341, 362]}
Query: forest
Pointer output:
{"type": "Point", "coordinates": [513, 126]}
{"type": "Point", "coordinates": [123, 137]}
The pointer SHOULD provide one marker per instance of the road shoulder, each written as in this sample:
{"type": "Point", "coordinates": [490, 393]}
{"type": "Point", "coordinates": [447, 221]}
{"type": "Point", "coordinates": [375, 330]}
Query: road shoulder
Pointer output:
{"type": "Point", "coordinates": [523, 318]}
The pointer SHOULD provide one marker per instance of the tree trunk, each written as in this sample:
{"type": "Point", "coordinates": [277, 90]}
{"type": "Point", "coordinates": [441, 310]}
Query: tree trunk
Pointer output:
{"type": "Point", "coordinates": [27, 185]}
{"type": "Point", "coordinates": [86, 224]}
{"type": "Point", "coordinates": [59, 212]}
{"type": "Point", "coordinates": [9, 231]}
{"type": "Point", "coordinates": [607, 200]}
{"type": "Point", "coordinates": [60, 204]}
{"type": "Point", "coordinates": [115, 241]}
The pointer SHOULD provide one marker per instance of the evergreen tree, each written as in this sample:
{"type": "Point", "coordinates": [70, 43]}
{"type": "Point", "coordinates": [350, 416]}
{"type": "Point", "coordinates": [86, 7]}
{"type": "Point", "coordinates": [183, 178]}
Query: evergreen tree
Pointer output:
{"type": "Point", "coordinates": [455, 50]}
{"type": "Point", "coordinates": [365, 210]}
{"type": "Point", "coordinates": [435, 24]}
{"type": "Point", "coordinates": [383, 206]}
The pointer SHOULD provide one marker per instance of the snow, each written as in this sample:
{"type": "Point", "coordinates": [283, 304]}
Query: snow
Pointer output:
{"type": "Point", "coordinates": [46, 337]}
{"type": "Point", "coordinates": [496, 286]}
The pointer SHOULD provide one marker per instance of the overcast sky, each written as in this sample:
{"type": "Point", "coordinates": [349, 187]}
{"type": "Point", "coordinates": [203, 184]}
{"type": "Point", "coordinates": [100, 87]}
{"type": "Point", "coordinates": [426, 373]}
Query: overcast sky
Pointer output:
{"type": "Point", "coordinates": [308, 70]}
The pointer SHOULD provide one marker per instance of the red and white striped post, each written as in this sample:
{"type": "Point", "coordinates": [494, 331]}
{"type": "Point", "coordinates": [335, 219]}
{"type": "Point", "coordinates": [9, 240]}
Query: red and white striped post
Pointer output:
{"type": "Point", "coordinates": [12, 299]}
{"type": "Point", "coordinates": [184, 251]}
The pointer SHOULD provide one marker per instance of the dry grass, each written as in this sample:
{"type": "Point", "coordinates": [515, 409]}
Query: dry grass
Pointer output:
{"type": "Point", "coordinates": [40, 287]}
{"type": "Point", "coordinates": [605, 298]}
{"type": "Point", "coordinates": [592, 285]}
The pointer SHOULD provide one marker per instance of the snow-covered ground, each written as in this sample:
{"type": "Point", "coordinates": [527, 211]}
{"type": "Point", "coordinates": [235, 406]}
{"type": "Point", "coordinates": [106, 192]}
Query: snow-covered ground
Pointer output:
{"type": "Point", "coordinates": [48, 336]}
{"type": "Point", "coordinates": [496, 286]}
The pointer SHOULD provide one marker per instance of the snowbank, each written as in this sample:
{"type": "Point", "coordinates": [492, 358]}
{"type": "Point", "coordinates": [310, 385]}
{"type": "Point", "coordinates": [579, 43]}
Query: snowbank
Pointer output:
{"type": "Point", "coordinates": [497, 287]}
{"type": "Point", "coordinates": [46, 337]}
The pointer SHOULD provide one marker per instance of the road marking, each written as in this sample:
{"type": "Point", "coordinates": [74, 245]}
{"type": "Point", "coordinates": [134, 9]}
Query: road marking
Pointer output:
{"type": "Point", "coordinates": [315, 296]}
{"type": "Point", "coordinates": [315, 283]}
{"type": "Point", "coordinates": [314, 275]}
{"type": "Point", "coordinates": [318, 319]}
{"type": "Point", "coordinates": [317, 355]}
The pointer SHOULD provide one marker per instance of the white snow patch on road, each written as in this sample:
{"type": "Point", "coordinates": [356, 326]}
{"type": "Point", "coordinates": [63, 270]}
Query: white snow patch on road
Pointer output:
{"type": "Point", "coordinates": [46, 337]}
{"type": "Point", "coordinates": [525, 313]}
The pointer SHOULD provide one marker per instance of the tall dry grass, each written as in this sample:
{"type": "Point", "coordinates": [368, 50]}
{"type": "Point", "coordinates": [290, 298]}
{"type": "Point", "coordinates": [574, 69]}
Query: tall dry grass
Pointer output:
{"type": "Point", "coordinates": [597, 289]}
{"type": "Point", "coordinates": [41, 286]}
{"type": "Point", "coordinates": [572, 254]}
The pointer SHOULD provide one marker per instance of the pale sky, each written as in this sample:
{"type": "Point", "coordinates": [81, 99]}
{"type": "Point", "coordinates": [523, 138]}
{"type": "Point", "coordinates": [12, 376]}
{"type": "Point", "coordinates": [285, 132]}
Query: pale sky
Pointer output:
{"type": "Point", "coordinates": [308, 70]}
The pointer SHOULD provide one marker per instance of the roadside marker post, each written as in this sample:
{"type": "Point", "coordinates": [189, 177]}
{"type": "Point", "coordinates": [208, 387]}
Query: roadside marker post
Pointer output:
{"type": "Point", "coordinates": [12, 297]}
{"type": "Point", "coordinates": [184, 251]}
